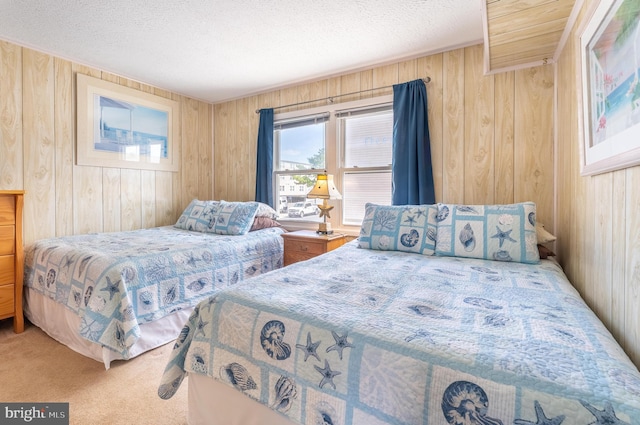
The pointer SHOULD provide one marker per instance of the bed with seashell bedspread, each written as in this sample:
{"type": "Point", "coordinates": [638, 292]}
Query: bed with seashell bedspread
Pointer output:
{"type": "Point", "coordinates": [358, 336]}
{"type": "Point", "coordinates": [115, 295]}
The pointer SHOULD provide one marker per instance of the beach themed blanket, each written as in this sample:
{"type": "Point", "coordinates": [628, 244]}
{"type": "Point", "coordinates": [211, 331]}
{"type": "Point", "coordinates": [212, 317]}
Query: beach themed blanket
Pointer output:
{"type": "Point", "coordinates": [366, 337]}
{"type": "Point", "coordinates": [115, 281]}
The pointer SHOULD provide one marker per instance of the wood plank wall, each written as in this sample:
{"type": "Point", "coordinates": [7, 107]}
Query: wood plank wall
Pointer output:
{"type": "Point", "coordinates": [598, 224]}
{"type": "Point", "coordinates": [37, 154]}
{"type": "Point", "coordinates": [491, 136]}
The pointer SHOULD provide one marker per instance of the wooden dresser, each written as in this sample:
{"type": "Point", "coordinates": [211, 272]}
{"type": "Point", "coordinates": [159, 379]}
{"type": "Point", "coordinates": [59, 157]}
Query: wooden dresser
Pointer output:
{"type": "Point", "coordinates": [11, 257]}
{"type": "Point", "coordinates": [305, 244]}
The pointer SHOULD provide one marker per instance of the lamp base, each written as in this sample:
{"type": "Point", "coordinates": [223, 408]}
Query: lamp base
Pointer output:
{"type": "Point", "coordinates": [324, 229]}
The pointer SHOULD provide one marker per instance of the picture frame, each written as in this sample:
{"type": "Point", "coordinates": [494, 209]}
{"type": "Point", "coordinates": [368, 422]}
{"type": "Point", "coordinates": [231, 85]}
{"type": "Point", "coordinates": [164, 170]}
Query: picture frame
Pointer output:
{"type": "Point", "coordinates": [122, 127]}
{"type": "Point", "coordinates": [610, 100]}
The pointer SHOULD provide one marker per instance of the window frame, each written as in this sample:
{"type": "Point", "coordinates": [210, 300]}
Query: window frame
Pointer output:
{"type": "Point", "coordinates": [334, 156]}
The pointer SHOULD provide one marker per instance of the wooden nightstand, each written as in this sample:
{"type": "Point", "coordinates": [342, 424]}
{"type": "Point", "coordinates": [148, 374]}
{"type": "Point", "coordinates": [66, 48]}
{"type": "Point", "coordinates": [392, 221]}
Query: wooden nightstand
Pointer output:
{"type": "Point", "coordinates": [305, 244]}
{"type": "Point", "coordinates": [11, 257]}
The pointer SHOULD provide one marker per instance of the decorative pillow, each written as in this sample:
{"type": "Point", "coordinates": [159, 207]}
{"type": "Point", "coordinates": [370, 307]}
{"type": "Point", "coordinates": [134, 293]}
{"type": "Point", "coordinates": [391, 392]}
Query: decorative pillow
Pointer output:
{"type": "Point", "coordinates": [265, 210]}
{"type": "Point", "coordinates": [409, 228]}
{"type": "Point", "coordinates": [233, 218]}
{"type": "Point", "coordinates": [545, 252]}
{"type": "Point", "coordinates": [542, 234]}
{"type": "Point", "coordinates": [491, 232]}
{"type": "Point", "coordinates": [263, 223]}
{"type": "Point", "coordinates": [197, 216]}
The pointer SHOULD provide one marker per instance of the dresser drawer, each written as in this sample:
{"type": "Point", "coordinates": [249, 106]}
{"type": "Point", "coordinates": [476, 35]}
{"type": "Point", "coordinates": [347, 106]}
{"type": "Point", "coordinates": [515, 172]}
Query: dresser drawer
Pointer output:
{"type": "Point", "coordinates": [302, 246]}
{"type": "Point", "coordinates": [7, 306]}
{"type": "Point", "coordinates": [7, 210]}
{"type": "Point", "coordinates": [7, 239]}
{"type": "Point", "coordinates": [7, 274]}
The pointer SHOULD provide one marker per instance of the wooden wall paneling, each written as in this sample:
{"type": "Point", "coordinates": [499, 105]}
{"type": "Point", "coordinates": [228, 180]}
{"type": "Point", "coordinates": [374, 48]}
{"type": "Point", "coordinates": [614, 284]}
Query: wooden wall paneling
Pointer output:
{"type": "Point", "coordinates": [504, 131]}
{"type": "Point", "coordinates": [247, 146]}
{"type": "Point", "coordinates": [12, 165]}
{"type": "Point", "coordinates": [599, 280]}
{"type": "Point", "coordinates": [219, 154]}
{"type": "Point", "coordinates": [334, 87]}
{"type": "Point", "coordinates": [64, 123]}
{"type": "Point", "coordinates": [576, 190]}
{"type": "Point", "coordinates": [384, 76]}
{"type": "Point", "coordinates": [534, 139]}
{"type": "Point", "coordinates": [453, 124]}
{"type": "Point", "coordinates": [131, 83]}
{"type": "Point", "coordinates": [225, 165]}
{"type": "Point", "coordinates": [112, 78]}
{"type": "Point", "coordinates": [87, 200]}
{"type": "Point", "coordinates": [312, 91]}
{"type": "Point", "coordinates": [479, 130]}
{"type": "Point", "coordinates": [205, 152]}
{"type": "Point", "coordinates": [232, 172]}
{"type": "Point", "coordinates": [148, 198]}
{"type": "Point", "coordinates": [408, 71]}
{"type": "Point", "coordinates": [632, 266]}
{"type": "Point", "coordinates": [431, 66]}
{"type": "Point", "coordinates": [164, 198]}
{"type": "Point", "coordinates": [366, 83]}
{"type": "Point", "coordinates": [39, 146]}
{"type": "Point", "coordinates": [564, 141]}
{"type": "Point", "coordinates": [87, 181]}
{"type": "Point", "coordinates": [178, 201]}
{"type": "Point", "coordinates": [618, 253]}
{"type": "Point", "coordinates": [190, 147]}
{"type": "Point", "coordinates": [111, 207]}
{"type": "Point", "coordinates": [580, 191]}
{"type": "Point", "coordinates": [288, 96]}
{"type": "Point", "coordinates": [349, 83]}
{"type": "Point", "coordinates": [162, 93]}
{"type": "Point", "coordinates": [131, 199]}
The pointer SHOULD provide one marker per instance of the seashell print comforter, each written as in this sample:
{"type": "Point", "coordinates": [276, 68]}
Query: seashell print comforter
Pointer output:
{"type": "Point", "coordinates": [115, 281]}
{"type": "Point", "coordinates": [379, 337]}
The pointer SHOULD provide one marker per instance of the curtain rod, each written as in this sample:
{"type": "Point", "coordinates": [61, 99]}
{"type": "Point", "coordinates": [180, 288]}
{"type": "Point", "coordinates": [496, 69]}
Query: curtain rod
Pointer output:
{"type": "Point", "coordinates": [330, 98]}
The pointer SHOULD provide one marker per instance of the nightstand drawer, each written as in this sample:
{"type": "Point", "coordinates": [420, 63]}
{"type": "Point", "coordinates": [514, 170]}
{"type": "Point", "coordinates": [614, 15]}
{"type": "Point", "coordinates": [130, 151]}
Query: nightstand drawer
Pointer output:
{"type": "Point", "coordinates": [7, 275]}
{"type": "Point", "coordinates": [301, 246]}
{"type": "Point", "coordinates": [7, 306]}
{"type": "Point", "coordinates": [7, 210]}
{"type": "Point", "coordinates": [7, 239]}
{"type": "Point", "coordinates": [305, 244]}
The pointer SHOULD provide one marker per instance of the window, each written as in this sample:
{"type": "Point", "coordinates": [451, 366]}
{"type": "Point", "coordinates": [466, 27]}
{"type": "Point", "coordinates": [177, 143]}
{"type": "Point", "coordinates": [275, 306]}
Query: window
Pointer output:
{"type": "Point", "coordinates": [352, 141]}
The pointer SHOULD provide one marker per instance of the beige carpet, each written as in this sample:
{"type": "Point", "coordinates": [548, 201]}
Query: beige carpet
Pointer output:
{"type": "Point", "coordinates": [36, 368]}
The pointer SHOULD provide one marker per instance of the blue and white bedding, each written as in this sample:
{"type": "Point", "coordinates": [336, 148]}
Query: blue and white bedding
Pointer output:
{"type": "Point", "coordinates": [384, 337]}
{"type": "Point", "coordinates": [116, 281]}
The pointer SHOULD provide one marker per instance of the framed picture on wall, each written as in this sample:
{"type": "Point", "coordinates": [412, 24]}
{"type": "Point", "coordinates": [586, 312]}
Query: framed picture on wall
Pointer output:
{"type": "Point", "coordinates": [122, 127]}
{"type": "Point", "coordinates": [610, 62]}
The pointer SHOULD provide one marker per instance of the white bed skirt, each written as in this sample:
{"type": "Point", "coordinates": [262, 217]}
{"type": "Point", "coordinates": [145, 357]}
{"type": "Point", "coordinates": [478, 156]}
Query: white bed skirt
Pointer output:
{"type": "Point", "coordinates": [62, 325]}
{"type": "Point", "coordinates": [211, 402]}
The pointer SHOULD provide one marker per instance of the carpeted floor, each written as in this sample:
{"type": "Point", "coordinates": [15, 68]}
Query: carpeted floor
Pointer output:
{"type": "Point", "coordinates": [36, 368]}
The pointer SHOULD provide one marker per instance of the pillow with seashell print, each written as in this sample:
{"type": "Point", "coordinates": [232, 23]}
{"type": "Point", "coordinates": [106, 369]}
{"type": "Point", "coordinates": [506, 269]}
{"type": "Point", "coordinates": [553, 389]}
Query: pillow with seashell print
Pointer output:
{"type": "Point", "coordinates": [220, 217]}
{"type": "Point", "coordinates": [491, 232]}
{"type": "Point", "coordinates": [196, 216]}
{"type": "Point", "coordinates": [408, 228]}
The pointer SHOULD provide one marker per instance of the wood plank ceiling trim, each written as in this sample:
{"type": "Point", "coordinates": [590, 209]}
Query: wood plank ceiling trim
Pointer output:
{"type": "Point", "coordinates": [523, 33]}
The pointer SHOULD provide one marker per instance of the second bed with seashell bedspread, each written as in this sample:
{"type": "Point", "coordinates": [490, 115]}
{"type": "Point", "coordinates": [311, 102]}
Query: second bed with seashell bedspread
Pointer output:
{"type": "Point", "coordinates": [358, 336]}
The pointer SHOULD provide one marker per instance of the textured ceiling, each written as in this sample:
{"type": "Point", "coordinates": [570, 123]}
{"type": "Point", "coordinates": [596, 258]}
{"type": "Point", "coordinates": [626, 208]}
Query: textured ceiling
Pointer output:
{"type": "Point", "coordinates": [217, 50]}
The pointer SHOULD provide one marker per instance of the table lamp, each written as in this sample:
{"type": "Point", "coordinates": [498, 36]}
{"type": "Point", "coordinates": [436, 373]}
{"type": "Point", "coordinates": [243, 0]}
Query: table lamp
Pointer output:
{"type": "Point", "coordinates": [324, 189]}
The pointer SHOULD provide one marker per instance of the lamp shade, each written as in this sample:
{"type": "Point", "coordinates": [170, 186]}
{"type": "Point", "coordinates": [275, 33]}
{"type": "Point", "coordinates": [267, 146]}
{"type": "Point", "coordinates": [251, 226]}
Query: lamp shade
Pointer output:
{"type": "Point", "coordinates": [324, 188]}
